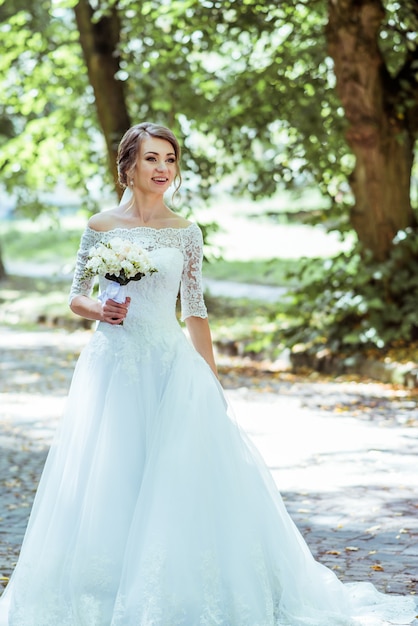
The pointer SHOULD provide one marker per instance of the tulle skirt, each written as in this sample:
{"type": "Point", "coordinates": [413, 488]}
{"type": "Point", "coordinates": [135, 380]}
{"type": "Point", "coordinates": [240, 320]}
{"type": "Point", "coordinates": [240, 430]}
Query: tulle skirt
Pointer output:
{"type": "Point", "coordinates": [154, 509]}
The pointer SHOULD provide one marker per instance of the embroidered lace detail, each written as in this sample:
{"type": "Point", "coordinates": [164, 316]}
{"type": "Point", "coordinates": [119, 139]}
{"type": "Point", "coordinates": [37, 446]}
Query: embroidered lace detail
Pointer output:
{"type": "Point", "coordinates": [191, 281]}
{"type": "Point", "coordinates": [83, 286]}
{"type": "Point", "coordinates": [150, 605]}
{"type": "Point", "coordinates": [90, 605]}
{"type": "Point", "coordinates": [188, 241]}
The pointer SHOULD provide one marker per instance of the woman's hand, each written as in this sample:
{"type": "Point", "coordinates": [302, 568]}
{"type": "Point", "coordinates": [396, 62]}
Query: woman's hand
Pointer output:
{"type": "Point", "coordinates": [110, 311]}
{"type": "Point", "coordinates": [113, 312]}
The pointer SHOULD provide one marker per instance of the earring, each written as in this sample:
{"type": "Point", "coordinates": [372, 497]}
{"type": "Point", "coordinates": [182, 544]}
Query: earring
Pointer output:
{"type": "Point", "coordinates": [131, 183]}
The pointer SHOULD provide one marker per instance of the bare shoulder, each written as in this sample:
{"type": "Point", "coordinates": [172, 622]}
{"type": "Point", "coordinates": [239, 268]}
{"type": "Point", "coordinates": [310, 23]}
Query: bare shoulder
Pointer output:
{"type": "Point", "coordinates": [116, 218]}
{"type": "Point", "coordinates": [177, 221]}
{"type": "Point", "coordinates": [106, 220]}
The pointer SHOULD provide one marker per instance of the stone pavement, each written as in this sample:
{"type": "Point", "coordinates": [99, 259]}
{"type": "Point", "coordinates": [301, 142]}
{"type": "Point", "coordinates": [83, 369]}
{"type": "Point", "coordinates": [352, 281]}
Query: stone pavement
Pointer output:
{"type": "Point", "coordinates": [342, 452]}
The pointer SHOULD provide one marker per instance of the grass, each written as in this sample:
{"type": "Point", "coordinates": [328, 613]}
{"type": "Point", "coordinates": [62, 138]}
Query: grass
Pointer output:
{"type": "Point", "coordinates": [30, 303]}
{"type": "Point", "coordinates": [244, 327]}
{"type": "Point", "coordinates": [47, 241]}
{"type": "Point", "coordinates": [33, 301]}
{"type": "Point", "coordinates": [40, 242]}
{"type": "Point", "coordinates": [240, 324]}
{"type": "Point", "coordinates": [258, 271]}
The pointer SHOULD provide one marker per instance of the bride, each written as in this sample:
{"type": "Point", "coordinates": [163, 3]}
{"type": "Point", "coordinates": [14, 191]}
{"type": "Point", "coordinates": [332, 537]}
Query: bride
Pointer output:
{"type": "Point", "coordinates": [153, 508]}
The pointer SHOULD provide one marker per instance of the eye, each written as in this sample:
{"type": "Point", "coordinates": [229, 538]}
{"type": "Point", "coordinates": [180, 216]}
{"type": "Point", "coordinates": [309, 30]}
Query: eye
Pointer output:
{"type": "Point", "coordinates": [150, 158]}
{"type": "Point", "coordinates": [171, 160]}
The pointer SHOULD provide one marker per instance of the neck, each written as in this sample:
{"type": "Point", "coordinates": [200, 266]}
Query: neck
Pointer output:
{"type": "Point", "coordinates": [146, 207]}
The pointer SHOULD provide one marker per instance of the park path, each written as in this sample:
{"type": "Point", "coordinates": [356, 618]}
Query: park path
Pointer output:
{"type": "Point", "coordinates": [342, 452]}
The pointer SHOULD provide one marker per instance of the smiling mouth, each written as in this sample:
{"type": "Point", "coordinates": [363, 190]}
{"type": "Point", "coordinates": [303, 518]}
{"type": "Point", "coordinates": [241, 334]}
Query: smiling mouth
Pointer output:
{"type": "Point", "coordinates": [160, 180]}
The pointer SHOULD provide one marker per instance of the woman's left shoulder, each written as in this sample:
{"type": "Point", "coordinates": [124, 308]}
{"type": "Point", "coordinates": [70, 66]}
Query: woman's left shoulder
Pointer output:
{"type": "Point", "coordinates": [177, 221]}
{"type": "Point", "coordinates": [190, 230]}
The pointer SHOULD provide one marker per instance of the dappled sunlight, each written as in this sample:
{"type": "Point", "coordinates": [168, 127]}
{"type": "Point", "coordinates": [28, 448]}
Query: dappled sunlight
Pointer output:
{"type": "Point", "coordinates": [318, 451]}
{"type": "Point", "coordinates": [245, 234]}
{"type": "Point", "coordinates": [243, 239]}
{"type": "Point", "coordinates": [28, 419]}
{"type": "Point", "coordinates": [349, 484]}
{"type": "Point", "coordinates": [34, 339]}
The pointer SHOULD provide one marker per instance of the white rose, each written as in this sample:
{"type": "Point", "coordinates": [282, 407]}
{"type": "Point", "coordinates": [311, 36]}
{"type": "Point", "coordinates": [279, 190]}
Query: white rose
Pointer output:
{"type": "Point", "coordinates": [94, 263]}
{"type": "Point", "coordinates": [129, 268]}
{"type": "Point", "coordinates": [116, 244]}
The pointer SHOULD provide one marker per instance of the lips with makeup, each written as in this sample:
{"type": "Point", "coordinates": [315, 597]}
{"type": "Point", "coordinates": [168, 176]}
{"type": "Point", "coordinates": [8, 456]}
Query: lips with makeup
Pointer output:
{"type": "Point", "coordinates": [160, 180]}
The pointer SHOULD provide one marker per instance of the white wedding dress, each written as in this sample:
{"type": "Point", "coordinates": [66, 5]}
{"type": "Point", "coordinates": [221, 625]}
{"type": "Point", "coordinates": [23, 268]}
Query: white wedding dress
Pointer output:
{"type": "Point", "coordinates": [154, 509]}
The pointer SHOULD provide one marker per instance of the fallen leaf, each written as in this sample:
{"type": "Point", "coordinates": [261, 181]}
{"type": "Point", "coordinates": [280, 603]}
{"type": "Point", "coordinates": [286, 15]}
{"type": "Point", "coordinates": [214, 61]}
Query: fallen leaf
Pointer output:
{"type": "Point", "coordinates": [351, 549]}
{"type": "Point", "coordinates": [372, 529]}
{"type": "Point", "coordinates": [377, 568]}
{"type": "Point", "coordinates": [334, 552]}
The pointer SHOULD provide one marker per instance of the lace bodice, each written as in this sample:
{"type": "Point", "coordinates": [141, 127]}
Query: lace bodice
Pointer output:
{"type": "Point", "coordinates": [177, 254]}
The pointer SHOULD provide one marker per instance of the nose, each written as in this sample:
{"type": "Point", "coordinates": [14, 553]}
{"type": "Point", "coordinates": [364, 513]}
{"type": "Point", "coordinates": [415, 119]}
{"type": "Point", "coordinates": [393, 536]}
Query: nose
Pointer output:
{"type": "Point", "coordinates": [161, 166]}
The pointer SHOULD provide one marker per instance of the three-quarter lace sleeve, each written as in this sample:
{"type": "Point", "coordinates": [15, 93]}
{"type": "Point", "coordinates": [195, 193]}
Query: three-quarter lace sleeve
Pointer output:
{"type": "Point", "coordinates": [81, 285]}
{"type": "Point", "coordinates": [191, 289]}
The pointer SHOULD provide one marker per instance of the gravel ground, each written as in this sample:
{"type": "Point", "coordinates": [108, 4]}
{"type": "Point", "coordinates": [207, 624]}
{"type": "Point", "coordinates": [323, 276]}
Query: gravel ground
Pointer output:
{"type": "Point", "coordinates": [342, 452]}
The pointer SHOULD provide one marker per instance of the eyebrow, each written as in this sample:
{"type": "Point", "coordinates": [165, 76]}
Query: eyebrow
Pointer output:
{"type": "Point", "coordinates": [157, 153]}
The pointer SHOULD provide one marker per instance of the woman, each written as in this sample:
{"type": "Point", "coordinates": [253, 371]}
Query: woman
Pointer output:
{"type": "Point", "coordinates": [153, 509]}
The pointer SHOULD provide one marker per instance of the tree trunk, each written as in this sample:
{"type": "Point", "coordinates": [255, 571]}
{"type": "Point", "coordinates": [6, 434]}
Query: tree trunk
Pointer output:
{"type": "Point", "coordinates": [378, 137]}
{"type": "Point", "coordinates": [99, 41]}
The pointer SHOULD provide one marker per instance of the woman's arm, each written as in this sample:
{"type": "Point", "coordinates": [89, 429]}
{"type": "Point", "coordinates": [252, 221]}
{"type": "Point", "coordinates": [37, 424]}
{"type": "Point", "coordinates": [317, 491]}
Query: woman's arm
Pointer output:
{"type": "Point", "coordinates": [110, 311]}
{"type": "Point", "coordinates": [79, 300]}
{"type": "Point", "coordinates": [200, 335]}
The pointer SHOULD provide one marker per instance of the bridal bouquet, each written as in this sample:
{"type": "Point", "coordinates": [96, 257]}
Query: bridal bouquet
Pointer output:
{"type": "Point", "coordinates": [119, 261]}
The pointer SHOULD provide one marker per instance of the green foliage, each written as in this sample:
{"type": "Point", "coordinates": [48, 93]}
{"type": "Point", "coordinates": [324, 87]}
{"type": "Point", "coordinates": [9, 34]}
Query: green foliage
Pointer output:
{"type": "Point", "coordinates": [398, 37]}
{"type": "Point", "coordinates": [241, 325]}
{"type": "Point", "coordinates": [247, 85]}
{"type": "Point", "coordinates": [48, 129]}
{"type": "Point", "coordinates": [352, 302]}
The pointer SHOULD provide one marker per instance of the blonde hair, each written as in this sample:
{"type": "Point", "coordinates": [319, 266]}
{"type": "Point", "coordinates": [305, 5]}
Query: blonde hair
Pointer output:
{"type": "Point", "coordinates": [131, 142]}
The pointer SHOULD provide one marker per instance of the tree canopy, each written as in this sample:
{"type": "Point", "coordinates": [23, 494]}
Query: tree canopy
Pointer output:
{"type": "Point", "coordinates": [249, 85]}
{"type": "Point", "coordinates": [48, 131]}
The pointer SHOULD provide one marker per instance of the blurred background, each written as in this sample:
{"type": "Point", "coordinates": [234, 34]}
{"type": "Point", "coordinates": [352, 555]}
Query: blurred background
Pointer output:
{"type": "Point", "coordinates": [298, 122]}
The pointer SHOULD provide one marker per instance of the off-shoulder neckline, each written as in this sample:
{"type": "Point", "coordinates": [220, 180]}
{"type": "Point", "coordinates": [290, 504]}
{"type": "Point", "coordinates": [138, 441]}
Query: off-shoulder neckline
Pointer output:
{"type": "Point", "coordinates": [121, 228]}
